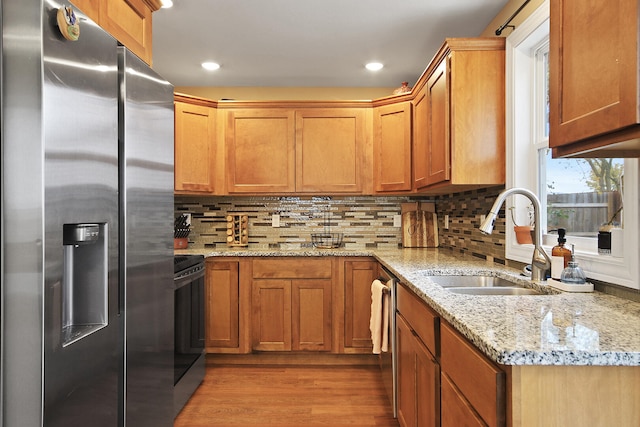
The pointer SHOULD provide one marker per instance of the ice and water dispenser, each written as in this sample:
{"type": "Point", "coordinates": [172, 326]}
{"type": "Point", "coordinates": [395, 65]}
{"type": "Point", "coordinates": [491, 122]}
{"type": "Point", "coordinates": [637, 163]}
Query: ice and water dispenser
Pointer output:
{"type": "Point", "coordinates": [85, 279]}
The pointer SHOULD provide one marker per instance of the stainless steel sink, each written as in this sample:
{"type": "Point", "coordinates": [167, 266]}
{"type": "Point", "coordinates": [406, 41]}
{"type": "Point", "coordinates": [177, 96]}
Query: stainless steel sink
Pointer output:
{"type": "Point", "coordinates": [481, 285]}
{"type": "Point", "coordinates": [471, 281]}
{"type": "Point", "coordinates": [494, 291]}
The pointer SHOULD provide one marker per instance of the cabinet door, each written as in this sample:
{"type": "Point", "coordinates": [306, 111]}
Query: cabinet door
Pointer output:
{"type": "Point", "coordinates": [392, 147]}
{"type": "Point", "coordinates": [420, 134]}
{"type": "Point", "coordinates": [195, 148]}
{"type": "Point", "coordinates": [311, 314]}
{"type": "Point", "coordinates": [222, 304]}
{"type": "Point", "coordinates": [357, 304]}
{"type": "Point", "coordinates": [431, 130]}
{"type": "Point", "coordinates": [477, 116]}
{"type": "Point", "coordinates": [418, 380]}
{"type": "Point", "coordinates": [479, 380]}
{"type": "Point", "coordinates": [593, 73]}
{"type": "Point", "coordinates": [260, 151]}
{"type": "Point", "coordinates": [406, 374]}
{"type": "Point", "coordinates": [91, 8]}
{"type": "Point", "coordinates": [459, 137]}
{"type": "Point", "coordinates": [437, 110]}
{"type": "Point", "coordinates": [456, 411]}
{"type": "Point", "coordinates": [427, 387]}
{"type": "Point", "coordinates": [129, 21]}
{"type": "Point", "coordinates": [329, 150]}
{"type": "Point", "coordinates": [271, 315]}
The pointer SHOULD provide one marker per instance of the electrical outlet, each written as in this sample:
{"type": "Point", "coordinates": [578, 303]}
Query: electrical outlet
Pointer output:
{"type": "Point", "coordinates": [275, 220]}
{"type": "Point", "coordinates": [397, 221]}
{"type": "Point", "coordinates": [446, 222]}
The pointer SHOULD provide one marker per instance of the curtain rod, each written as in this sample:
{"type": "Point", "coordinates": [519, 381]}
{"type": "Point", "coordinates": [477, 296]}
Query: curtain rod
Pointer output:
{"type": "Point", "coordinates": [506, 24]}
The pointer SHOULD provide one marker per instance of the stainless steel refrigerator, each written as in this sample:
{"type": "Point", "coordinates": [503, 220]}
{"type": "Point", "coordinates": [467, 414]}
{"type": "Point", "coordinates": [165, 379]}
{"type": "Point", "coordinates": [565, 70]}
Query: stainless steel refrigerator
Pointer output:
{"type": "Point", "coordinates": [87, 223]}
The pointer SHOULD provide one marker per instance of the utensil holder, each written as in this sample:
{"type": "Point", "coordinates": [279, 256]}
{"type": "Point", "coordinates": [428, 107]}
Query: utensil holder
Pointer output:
{"type": "Point", "coordinates": [181, 243]}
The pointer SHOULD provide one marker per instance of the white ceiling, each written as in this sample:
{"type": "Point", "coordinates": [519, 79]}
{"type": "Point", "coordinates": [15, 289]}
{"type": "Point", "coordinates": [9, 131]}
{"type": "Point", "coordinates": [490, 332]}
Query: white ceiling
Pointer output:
{"type": "Point", "coordinates": [309, 43]}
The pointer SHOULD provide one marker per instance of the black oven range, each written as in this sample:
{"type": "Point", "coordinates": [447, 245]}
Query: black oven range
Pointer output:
{"type": "Point", "coordinates": [189, 363]}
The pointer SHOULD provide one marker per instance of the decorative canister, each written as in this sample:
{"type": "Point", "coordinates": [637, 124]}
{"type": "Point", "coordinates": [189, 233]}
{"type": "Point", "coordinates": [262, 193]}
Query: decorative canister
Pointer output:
{"type": "Point", "coordinates": [402, 89]}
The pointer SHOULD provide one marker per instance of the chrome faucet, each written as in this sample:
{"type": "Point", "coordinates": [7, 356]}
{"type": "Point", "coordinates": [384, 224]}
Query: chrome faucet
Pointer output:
{"type": "Point", "coordinates": [540, 262]}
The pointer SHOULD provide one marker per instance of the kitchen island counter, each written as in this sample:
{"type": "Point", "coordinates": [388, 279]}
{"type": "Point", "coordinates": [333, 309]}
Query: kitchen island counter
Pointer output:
{"type": "Point", "coordinates": [555, 328]}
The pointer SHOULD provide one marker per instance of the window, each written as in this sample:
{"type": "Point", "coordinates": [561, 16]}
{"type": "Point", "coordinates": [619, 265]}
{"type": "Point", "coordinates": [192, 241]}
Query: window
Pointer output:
{"type": "Point", "coordinates": [579, 195]}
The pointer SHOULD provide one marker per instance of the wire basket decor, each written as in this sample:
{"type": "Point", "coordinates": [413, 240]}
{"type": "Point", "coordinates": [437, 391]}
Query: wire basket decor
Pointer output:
{"type": "Point", "coordinates": [326, 240]}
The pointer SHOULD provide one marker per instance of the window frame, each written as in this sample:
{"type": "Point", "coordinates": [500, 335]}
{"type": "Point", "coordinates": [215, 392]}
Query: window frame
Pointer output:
{"type": "Point", "coordinates": [522, 172]}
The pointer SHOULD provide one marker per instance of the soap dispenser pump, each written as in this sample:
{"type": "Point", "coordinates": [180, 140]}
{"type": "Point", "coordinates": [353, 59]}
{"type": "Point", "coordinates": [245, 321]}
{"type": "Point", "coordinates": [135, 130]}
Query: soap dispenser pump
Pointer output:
{"type": "Point", "coordinates": [560, 255]}
{"type": "Point", "coordinates": [573, 274]}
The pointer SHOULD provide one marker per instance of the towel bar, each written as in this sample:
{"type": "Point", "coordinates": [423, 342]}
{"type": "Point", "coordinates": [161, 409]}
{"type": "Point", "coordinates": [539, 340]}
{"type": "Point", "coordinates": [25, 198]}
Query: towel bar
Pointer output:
{"type": "Point", "coordinates": [384, 281]}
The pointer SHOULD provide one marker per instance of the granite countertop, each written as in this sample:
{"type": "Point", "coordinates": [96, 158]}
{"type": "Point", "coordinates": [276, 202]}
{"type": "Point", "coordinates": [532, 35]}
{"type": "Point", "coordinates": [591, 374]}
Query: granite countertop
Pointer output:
{"type": "Point", "coordinates": [556, 328]}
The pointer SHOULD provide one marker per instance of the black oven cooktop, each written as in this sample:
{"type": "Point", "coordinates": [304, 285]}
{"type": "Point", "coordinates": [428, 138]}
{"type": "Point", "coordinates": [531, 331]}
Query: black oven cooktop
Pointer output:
{"type": "Point", "coordinates": [183, 262]}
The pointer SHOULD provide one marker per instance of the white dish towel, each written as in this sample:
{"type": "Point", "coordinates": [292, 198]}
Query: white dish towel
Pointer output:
{"type": "Point", "coordinates": [379, 321]}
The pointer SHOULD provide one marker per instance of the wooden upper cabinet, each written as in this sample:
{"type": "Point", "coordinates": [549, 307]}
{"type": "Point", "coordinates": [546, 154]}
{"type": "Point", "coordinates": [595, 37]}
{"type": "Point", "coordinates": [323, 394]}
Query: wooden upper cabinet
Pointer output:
{"type": "Point", "coordinates": [260, 151]}
{"type": "Point", "coordinates": [594, 89]}
{"type": "Point", "coordinates": [438, 140]}
{"type": "Point", "coordinates": [459, 118]}
{"type": "Point", "coordinates": [195, 145]}
{"type": "Point", "coordinates": [91, 8]}
{"type": "Point", "coordinates": [329, 150]}
{"type": "Point", "coordinates": [288, 150]}
{"type": "Point", "coordinates": [392, 147]}
{"type": "Point", "coordinates": [420, 149]}
{"type": "Point", "coordinates": [129, 21]}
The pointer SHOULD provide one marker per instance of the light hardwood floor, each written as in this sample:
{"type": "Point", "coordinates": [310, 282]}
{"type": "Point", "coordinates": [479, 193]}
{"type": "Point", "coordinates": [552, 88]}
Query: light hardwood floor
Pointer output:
{"type": "Point", "coordinates": [289, 396]}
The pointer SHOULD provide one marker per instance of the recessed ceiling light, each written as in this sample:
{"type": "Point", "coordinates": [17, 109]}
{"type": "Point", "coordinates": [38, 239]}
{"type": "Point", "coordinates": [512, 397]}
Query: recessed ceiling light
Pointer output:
{"type": "Point", "coordinates": [374, 66]}
{"type": "Point", "coordinates": [166, 4]}
{"type": "Point", "coordinates": [210, 66]}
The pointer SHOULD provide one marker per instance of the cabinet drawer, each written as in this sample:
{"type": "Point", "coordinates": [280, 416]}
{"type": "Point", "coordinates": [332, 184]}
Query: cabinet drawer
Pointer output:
{"type": "Point", "coordinates": [479, 379]}
{"type": "Point", "coordinates": [292, 268]}
{"type": "Point", "coordinates": [422, 319]}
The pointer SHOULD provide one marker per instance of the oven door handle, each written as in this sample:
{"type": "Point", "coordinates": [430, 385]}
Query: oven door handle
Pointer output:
{"type": "Point", "coordinates": [184, 278]}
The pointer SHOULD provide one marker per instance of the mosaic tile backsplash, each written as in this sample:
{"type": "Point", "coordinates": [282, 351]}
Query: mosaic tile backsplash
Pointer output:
{"type": "Point", "coordinates": [365, 221]}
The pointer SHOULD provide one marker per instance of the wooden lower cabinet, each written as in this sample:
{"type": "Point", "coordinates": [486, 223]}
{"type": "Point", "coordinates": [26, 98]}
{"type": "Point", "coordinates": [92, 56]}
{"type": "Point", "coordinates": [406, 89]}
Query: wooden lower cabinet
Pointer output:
{"type": "Point", "coordinates": [456, 410]}
{"type": "Point", "coordinates": [418, 380]}
{"type": "Point", "coordinates": [271, 315]}
{"type": "Point", "coordinates": [291, 315]}
{"type": "Point", "coordinates": [291, 307]}
{"type": "Point", "coordinates": [311, 315]}
{"type": "Point", "coordinates": [418, 368]}
{"type": "Point", "coordinates": [475, 386]}
{"type": "Point", "coordinates": [358, 276]}
{"type": "Point", "coordinates": [222, 293]}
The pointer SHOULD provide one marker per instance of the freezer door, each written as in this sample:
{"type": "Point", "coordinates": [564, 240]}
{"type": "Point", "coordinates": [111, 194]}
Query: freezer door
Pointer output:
{"type": "Point", "coordinates": [146, 137]}
{"type": "Point", "coordinates": [82, 362]}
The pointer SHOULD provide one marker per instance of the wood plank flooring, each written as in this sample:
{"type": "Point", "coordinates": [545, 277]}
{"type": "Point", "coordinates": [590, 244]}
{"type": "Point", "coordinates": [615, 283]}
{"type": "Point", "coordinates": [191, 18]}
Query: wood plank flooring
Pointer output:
{"type": "Point", "coordinates": [289, 396]}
